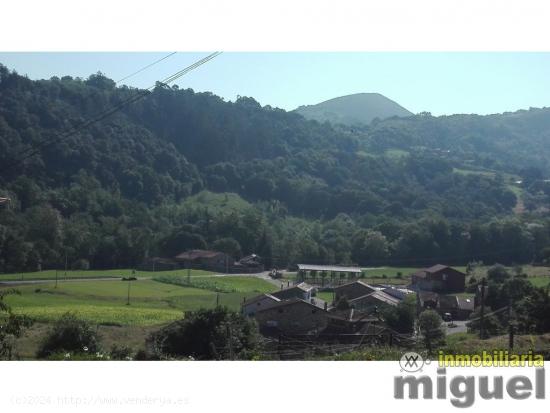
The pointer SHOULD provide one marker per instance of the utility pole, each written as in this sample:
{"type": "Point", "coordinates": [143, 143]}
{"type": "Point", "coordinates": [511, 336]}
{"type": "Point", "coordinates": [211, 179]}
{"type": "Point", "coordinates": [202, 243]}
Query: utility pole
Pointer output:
{"type": "Point", "coordinates": [129, 284]}
{"type": "Point", "coordinates": [510, 326]}
{"type": "Point", "coordinates": [66, 263]}
{"type": "Point", "coordinates": [56, 278]}
{"type": "Point", "coordinates": [482, 310]}
{"type": "Point", "coordinates": [230, 341]}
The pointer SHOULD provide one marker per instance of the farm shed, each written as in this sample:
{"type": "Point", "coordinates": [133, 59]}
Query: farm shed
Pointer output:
{"type": "Point", "coordinates": [304, 269]}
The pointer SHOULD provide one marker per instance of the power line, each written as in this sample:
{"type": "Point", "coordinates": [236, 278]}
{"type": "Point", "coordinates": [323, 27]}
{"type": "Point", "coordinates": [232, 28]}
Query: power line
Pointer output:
{"type": "Point", "coordinates": [108, 112]}
{"type": "Point", "coordinates": [146, 67]}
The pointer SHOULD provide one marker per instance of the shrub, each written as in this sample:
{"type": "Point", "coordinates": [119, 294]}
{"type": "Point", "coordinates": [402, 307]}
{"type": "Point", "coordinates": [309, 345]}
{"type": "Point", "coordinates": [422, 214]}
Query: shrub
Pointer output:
{"type": "Point", "coordinates": [213, 334]}
{"type": "Point", "coordinates": [69, 334]}
{"type": "Point", "coordinates": [121, 353]}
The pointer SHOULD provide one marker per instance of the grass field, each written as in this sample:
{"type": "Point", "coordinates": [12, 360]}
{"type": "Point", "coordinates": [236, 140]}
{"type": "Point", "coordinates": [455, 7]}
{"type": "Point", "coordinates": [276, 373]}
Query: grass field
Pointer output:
{"type": "Point", "coordinates": [326, 296]}
{"type": "Point", "coordinates": [151, 302]}
{"type": "Point", "coordinates": [540, 281]}
{"type": "Point", "coordinates": [130, 336]}
{"type": "Point", "coordinates": [73, 274]}
{"type": "Point", "coordinates": [228, 284]}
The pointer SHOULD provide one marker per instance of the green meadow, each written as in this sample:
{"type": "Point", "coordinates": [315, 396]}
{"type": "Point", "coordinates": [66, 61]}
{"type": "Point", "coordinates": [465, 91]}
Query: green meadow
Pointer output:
{"type": "Point", "coordinates": [151, 302]}
{"type": "Point", "coordinates": [75, 274]}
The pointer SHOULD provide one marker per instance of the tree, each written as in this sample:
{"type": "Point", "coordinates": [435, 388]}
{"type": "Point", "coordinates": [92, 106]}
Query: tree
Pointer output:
{"type": "Point", "coordinates": [491, 324]}
{"type": "Point", "coordinates": [432, 329]}
{"type": "Point", "coordinates": [401, 318]}
{"type": "Point", "coordinates": [208, 334]}
{"type": "Point", "coordinates": [181, 240]}
{"type": "Point", "coordinates": [369, 246]}
{"type": "Point", "coordinates": [498, 273]}
{"type": "Point", "coordinates": [228, 246]}
{"type": "Point", "coordinates": [11, 326]}
{"type": "Point", "coordinates": [69, 334]}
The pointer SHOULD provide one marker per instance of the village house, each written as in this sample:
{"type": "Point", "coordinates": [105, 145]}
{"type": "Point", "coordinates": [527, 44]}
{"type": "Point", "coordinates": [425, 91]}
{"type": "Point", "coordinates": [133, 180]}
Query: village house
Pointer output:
{"type": "Point", "coordinates": [427, 299]}
{"type": "Point", "coordinates": [293, 316]}
{"type": "Point", "coordinates": [399, 293]}
{"type": "Point", "coordinates": [302, 290]}
{"type": "Point", "coordinates": [465, 308]}
{"type": "Point", "coordinates": [352, 290]}
{"type": "Point", "coordinates": [205, 260]}
{"type": "Point", "coordinates": [252, 306]}
{"type": "Point", "coordinates": [374, 302]}
{"type": "Point", "coordinates": [459, 308]}
{"type": "Point", "coordinates": [350, 322]}
{"type": "Point", "coordinates": [439, 278]}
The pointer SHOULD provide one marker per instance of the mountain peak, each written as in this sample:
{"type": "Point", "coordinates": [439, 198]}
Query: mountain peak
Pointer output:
{"type": "Point", "coordinates": [358, 108]}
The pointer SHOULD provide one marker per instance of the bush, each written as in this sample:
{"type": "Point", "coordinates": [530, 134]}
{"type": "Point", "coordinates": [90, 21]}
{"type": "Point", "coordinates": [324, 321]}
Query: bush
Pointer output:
{"type": "Point", "coordinates": [121, 353]}
{"type": "Point", "coordinates": [69, 334]}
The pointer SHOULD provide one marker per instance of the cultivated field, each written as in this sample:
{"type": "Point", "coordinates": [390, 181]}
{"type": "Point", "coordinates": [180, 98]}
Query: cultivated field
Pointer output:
{"type": "Point", "coordinates": [151, 301]}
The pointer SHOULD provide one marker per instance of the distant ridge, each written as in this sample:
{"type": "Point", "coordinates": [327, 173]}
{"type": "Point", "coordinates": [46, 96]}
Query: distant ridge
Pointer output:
{"type": "Point", "coordinates": [359, 108]}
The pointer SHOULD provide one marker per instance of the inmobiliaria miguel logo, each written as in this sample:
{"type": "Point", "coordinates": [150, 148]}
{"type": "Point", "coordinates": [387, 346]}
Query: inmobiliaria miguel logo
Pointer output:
{"type": "Point", "coordinates": [460, 389]}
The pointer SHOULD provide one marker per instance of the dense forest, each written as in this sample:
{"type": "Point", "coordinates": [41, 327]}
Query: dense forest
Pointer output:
{"type": "Point", "coordinates": [179, 169]}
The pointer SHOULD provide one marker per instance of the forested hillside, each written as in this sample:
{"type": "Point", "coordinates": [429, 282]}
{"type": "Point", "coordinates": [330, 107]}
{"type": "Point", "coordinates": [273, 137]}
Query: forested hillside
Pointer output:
{"type": "Point", "coordinates": [179, 169]}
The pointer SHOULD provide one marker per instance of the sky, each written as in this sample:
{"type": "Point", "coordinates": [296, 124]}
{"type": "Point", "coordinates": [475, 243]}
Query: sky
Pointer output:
{"type": "Point", "coordinates": [440, 83]}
